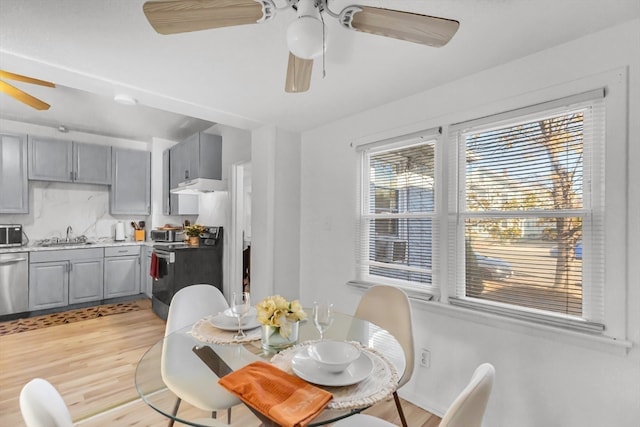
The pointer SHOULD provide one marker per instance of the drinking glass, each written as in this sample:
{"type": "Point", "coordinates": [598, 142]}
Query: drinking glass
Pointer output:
{"type": "Point", "coordinates": [240, 306]}
{"type": "Point", "coordinates": [322, 316]}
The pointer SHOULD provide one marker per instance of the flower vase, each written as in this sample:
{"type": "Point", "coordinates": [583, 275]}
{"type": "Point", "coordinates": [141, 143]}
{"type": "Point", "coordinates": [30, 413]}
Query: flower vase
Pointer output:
{"type": "Point", "coordinates": [275, 338]}
{"type": "Point", "coordinates": [194, 241]}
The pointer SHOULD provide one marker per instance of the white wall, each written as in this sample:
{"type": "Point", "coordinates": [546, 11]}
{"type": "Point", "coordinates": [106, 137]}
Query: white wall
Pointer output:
{"type": "Point", "coordinates": [275, 213]}
{"type": "Point", "coordinates": [544, 378]}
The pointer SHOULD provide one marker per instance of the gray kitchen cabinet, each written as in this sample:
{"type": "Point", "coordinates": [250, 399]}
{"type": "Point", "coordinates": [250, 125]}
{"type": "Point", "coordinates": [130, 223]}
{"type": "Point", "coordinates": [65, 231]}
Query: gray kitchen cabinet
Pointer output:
{"type": "Point", "coordinates": [92, 163]}
{"type": "Point", "coordinates": [199, 156]}
{"type": "Point", "coordinates": [175, 204]}
{"type": "Point", "coordinates": [50, 159]}
{"type": "Point", "coordinates": [86, 279]}
{"type": "Point", "coordinates": [131, 182]}
{"type": "Point", "coordinates": [63, 277]}
{"type": "Point", "coordinates": [48, 285]}
{"type": "Point", "coordinates": [14, 186]}
{"type": "Point", "coordinates": [146, 279]}
{"type": "Point", "coordinates": [121, 271]}
{"type": "Point", "coordinates": [68, 161]}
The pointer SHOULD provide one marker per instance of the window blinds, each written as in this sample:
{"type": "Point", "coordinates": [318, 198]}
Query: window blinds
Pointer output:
{"type": "Point", "coordinates": [529, 202]}
{"type": "Point", "coordinates": [396, 234]}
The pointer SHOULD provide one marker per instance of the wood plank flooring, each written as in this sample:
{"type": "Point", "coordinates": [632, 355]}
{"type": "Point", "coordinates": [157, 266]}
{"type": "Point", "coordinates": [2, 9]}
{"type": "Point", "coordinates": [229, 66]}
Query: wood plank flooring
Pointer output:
{"type": "Point", "coordinates": [92, 364]}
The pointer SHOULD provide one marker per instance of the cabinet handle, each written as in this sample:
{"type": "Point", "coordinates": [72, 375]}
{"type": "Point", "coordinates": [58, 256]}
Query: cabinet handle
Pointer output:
{"type": "Point", "coordinates": [186, 174]}
{"type": "Point", "coordinates": [71, 175]}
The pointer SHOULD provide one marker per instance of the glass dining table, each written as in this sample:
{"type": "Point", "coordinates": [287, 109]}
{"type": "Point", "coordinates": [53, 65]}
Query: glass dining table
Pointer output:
{"type": "Point", "coordinates": [197, 378]}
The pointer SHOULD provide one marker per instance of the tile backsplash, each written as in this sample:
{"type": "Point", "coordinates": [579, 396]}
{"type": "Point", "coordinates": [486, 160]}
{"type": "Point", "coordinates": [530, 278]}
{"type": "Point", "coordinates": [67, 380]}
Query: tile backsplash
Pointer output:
{"type": "Point", "coordinates": [53, 206]}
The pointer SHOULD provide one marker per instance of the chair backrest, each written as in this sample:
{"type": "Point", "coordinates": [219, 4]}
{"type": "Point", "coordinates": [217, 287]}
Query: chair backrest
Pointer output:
{"type": "Point", "coordinates": [192, 303]}
{"type": "Point", "coordinates": [468, 408]}
{"type": "Point", "coordinates": [42, 406]}
{"type": "Point", "coordinates": [389, 308]}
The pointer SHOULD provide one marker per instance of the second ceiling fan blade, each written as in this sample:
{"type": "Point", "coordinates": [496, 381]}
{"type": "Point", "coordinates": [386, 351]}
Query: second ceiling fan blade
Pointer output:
{"type": "Point", "coordinates": [298, 74]}
{"type": "Point", "coordinates": [19, 77]}
{"type": "Point", "coordinates": [23, 96]}
{"type": "Point", "coordinates": [181, 16]}
{"type": "Point", "coordinates": [413, 27]}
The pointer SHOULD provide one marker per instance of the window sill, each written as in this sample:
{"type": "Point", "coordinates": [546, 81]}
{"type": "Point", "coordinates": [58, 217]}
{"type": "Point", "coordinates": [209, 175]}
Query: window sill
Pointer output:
{"type": "Point", "coordinates": [429, 302]}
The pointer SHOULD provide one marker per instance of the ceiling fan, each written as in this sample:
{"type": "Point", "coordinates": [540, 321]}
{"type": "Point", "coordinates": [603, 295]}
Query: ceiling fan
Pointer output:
{"type": "Point", "coordinates": [305, 35]}
{"type": "Point", "coordinates": [21, 95]}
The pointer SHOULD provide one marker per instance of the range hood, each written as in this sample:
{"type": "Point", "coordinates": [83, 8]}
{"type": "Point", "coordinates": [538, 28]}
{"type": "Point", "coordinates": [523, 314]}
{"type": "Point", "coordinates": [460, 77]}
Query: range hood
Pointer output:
{"type": "Point", "coordinates": [199, 186]}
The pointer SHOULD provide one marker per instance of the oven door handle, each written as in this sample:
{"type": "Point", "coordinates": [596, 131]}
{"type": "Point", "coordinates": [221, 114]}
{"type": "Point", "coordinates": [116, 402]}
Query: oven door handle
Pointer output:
{"type": "Point", "coordinates": [170, 257]}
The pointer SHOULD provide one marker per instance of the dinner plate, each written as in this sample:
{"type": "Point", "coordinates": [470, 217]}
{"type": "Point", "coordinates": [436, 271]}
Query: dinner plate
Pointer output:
{"type": "Point", "coordinates": [307, 369]}
{"type": "Point", "coordinates": [228, 323]}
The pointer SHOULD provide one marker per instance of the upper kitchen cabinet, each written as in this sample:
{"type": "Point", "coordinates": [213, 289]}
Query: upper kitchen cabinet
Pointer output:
{"type": "Point", "coordinates": [14, 187]}
{"type": "Point", "coordinates": [131, 182]}
{"type": "Point", "coordinates": [67, 161]}
{"type": "Point", "coordinates": [199, 156]}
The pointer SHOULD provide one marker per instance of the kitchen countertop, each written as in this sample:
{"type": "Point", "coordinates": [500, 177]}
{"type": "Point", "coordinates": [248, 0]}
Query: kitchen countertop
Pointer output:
{"type": "Point", "coordinates": [99, 244]}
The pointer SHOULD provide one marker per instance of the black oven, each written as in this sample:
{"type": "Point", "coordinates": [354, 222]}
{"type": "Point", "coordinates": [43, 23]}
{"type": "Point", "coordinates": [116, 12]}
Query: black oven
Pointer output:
{"type": "Point", "coordinates": [177, 265]}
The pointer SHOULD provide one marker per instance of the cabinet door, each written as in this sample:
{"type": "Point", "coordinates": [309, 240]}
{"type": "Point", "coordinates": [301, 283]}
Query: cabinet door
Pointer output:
{"type": "Point", "coordinates": [92, 163]}
{"type": "Point", "coordinates": [50, 159]}
{"type": "Point", "coordinates": [48, 285]}
{"type": "Point", "coordinates": [146, 281]}
{"type": "Point", "coordinates": [86, 280]}
{"type": "Point", "coordinates": [14, 187]}
{"type": "Point", "coordinates": [131, 182]}
{"type": "Point", "coordinates": [191, 156]}
{"type": "Point", "coordinates": [121, 276]}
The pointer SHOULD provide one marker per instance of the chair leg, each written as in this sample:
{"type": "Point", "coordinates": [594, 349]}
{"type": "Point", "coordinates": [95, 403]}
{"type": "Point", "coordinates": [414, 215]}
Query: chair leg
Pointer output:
{"type": "Point", "coordinates": [229, 416]}
{"type": "Point", "coordinates": [400, 411]}
{"type": "Point", "coordinates": [175, 411]}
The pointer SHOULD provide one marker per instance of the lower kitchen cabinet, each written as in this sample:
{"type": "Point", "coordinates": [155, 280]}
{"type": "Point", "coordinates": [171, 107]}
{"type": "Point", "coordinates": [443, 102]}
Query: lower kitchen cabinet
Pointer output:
{"type": "Point", "coordinates": [121, 271]}
{"type": "Point", "coordinates": [146, 281]}
{"type": "Point", "coordinates": [63, 277]}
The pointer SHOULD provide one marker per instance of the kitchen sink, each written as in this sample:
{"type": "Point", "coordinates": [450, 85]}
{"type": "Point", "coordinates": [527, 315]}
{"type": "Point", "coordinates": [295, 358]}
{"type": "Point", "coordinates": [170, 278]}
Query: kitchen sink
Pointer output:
{"type": "Point", "coordinates": [57, 242]}
{"type": "Point", "coordinates": [63, 243]}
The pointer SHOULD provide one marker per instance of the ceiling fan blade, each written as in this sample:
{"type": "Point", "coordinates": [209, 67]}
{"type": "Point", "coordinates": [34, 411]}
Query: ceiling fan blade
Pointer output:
{"type": "Point", "coordinates": [298, 74]}
{"type": "Point", "coordinates": [413, 27]}
{"type": "Point", "coordinates": [182, 16]}
{"type": "Point", "coordinates": [21, 78]}
{"type": "Point", "coordinates": [23, 96]}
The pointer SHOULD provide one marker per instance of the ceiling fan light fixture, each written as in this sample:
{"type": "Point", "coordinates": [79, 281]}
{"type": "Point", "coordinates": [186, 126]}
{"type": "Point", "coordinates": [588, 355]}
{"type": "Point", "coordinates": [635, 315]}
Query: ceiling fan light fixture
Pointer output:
{"type": "Point", "coordinates": [125, 99]}
{"type": "Point", "coordinates": [304, 37]}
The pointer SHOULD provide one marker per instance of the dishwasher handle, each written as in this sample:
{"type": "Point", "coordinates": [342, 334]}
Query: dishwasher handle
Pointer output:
{"type": "Point", "coordinates": [11, 260]}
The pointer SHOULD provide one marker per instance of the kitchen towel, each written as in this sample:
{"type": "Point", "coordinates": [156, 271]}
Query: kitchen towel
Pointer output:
{"type": "Point", "coordinates": [154, 271]}
{"type": "Point", "coordinates": [283, 398]}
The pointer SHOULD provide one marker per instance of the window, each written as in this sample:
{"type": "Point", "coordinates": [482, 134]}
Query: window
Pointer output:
{"type": "Point", "coordinates": [529, 204]}
{"type": "Point", "coordinates": [396, 231]}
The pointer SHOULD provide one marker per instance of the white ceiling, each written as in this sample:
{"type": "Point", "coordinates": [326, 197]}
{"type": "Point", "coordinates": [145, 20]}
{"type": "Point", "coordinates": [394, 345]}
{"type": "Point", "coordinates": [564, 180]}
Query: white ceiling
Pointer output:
{"type": "Point", "coordinates": [235, 75]}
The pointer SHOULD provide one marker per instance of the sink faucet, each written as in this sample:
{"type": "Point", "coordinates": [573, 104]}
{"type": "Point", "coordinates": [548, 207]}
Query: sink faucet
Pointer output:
{"type": "Point", "coordinates": [69, 230]}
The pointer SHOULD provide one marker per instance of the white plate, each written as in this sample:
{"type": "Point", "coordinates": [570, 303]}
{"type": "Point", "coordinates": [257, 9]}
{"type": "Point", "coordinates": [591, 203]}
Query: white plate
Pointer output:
{"type": "Point", "coordinates": [226, 323]}
{"type": "Point", "coordinates": [307, 369]}
{"type": "Point", "coordinates": [252, 313]}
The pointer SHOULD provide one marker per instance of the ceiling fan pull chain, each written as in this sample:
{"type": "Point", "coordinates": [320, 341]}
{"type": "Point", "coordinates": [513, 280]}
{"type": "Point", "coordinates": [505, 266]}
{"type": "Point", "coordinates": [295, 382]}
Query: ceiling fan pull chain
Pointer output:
{"type": "Point", "coordinates": [324, 46]}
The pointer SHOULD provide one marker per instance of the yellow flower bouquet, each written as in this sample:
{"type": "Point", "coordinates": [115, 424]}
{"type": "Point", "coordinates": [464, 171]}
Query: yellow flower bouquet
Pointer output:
{"type": "Point", "coordinates": [276, 314]}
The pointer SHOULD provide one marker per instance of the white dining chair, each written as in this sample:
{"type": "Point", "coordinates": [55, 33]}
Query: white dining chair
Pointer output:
{"type": "Point", "coordinates": [467, 410]}
{"type": "Point", "coordinates": [189, 305]}
{"type": "Point", "coordinates": [42, 406]}
{"type": "Point", "coordinates": [389, 308]}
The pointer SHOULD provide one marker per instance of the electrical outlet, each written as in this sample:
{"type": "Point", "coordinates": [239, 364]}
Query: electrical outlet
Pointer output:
{"type": "Point", "coordinates": [425, 358]}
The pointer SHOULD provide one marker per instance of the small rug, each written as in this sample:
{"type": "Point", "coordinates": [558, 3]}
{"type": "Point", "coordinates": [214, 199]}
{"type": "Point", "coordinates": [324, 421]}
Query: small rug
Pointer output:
{"type": "Point", "coordinates": [38, 322]}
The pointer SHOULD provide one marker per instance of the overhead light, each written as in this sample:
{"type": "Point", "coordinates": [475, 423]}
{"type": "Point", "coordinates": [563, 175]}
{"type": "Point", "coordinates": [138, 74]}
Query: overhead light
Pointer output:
{"type": "Point", "coordinates": [63, 129]}
{"type": "Point", "coordinates": [305, 34]}
{"type": "Point", "coordinates": [124, 99]}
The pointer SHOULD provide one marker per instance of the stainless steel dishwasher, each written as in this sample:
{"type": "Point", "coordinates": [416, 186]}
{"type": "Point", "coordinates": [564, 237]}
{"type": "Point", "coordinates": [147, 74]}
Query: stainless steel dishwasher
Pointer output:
{"type": "Point", "coordinates": [14, 282]}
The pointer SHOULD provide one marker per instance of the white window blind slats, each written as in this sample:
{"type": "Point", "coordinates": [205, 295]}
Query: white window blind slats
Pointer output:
{"type": "Point", "coordinates": [396, 233]}
{"type": "Point", "coordinates": [529, 229]}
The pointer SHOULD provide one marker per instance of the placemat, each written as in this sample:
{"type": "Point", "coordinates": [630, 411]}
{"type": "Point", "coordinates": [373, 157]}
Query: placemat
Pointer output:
{"type": "Point", "coordinates": [382, 382]}
{"type": "Point", "coordinates": [204, 331]}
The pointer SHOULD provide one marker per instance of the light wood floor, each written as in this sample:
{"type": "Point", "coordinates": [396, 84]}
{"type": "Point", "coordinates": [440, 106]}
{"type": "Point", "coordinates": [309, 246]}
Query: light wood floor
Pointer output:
{"type": "Point", "coordinates": [92, 365]}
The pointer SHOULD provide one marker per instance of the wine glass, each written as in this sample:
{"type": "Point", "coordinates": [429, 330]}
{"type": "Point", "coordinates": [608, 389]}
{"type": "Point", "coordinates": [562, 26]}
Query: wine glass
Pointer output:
{"type": "Point", "coordinates": [240, 306]}
{"type": "Point", "coordinates": [322, 316]}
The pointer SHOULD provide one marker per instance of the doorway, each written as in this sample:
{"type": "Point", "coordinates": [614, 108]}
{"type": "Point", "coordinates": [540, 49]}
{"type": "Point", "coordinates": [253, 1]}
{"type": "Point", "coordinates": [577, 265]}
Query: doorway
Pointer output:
{"type": "Point", "coordinates": [240, 244]}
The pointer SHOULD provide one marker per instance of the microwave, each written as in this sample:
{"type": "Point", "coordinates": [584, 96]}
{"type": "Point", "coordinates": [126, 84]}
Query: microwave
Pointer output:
{"type": "Point", "coordinates": [10, 235]}
{"type": "Point", "coordinates": [167, 235]}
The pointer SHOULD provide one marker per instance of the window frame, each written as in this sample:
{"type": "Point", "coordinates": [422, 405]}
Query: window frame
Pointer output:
{"type": "Point", "coordinates": [426, 136]}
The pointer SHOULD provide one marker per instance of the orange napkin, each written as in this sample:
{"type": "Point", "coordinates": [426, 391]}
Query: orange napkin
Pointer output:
{"type": "Point", "coordinates": [285, 399]}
